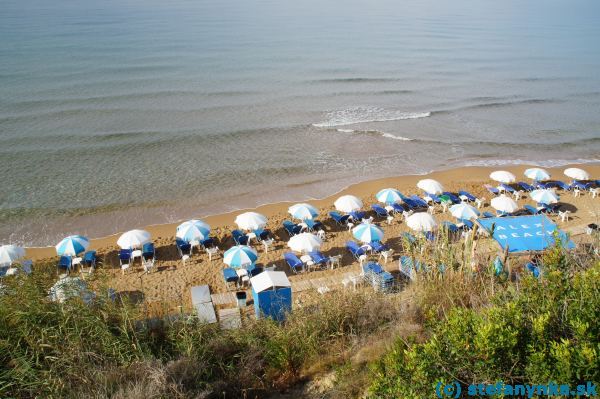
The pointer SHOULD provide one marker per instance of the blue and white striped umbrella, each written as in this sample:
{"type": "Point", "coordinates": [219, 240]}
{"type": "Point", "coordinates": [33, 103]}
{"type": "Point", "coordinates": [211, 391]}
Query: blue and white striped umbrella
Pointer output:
{"type": "Point", "coordinates": [538, 174]}
{"type": "Point", "coordinates": [389, 196]}
{"type": "Point", "coordinates": [544, 196]}
{"type": "Point", "coordinates": [72, 245]}
{"type": "Point", "coordinates": [367, 232]}
{"type": "Point", "coordinates": [303, 211]}
{"type": "Point", "coordinates": [464, 211]}
{"type": "Point", "coordinates": [10, 253]}
{"type": "Point", "coordinates": [240, 256]}
{"type": "Point", "coordinates": [193, 230]}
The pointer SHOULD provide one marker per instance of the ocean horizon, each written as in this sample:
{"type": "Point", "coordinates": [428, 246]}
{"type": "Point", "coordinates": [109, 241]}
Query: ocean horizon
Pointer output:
{"type": "Point", "coordinates": [120, 114]}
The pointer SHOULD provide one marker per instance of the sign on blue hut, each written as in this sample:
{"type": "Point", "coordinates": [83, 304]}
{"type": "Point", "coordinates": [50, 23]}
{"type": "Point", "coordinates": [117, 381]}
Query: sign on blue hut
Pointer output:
{"type": "Point", "coordinates": [272, 294]}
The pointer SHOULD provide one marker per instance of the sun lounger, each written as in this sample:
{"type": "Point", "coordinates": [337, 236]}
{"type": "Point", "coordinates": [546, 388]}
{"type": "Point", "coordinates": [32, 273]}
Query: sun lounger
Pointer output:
{"type": "Point", "coordinates": [380, 211]}
{"type": "Point", "coordinates": [541, 186]}
{"type": "Point", "coordinates": [230, 275]}
{"type": "Point", "coordinates": [491, 189]}
{"type": "Point", "coordinates": [239, 237]}
{"type": "Point", "coordinates": [208, 242]}
{"type": "Point", "coordinates": [525, 186]}
{"type": "Point", "coordinates": [533, 268]}
{"type": "Point", "coordinates": [434, 198]}
{"type": "Point", "coordinates": [340, 219]}
{"type": "Point", "coordinates": [581, 186]}
{"type": "Point", "coordinates": [531, 210]}
{"type": "Point", "coordinates": [550, 208]}
{"type": "Point", "coordinates": [487, 214]}
{"type": "Point", "coordinates": [507, 188]}
{"type": "Point", "coordinates": [420, 202]}
{"type": "Point", "coordinates": [183, 248]}
{"type": "Point", "coordinates": [318, 258]}
{"type": "Point", "coordinates": [564, 186]}
{"type": "Point", "coordinates": [466, 224]}
{"type": "Point", "coordinates": [65, 263]}
{"type": "Point", "coordinates": [451, 227]}
{"type": "Point", "coordinates": [148, 251]}
{"type": "Point", "coordinates": [125, 259]}
{"type": "Point", "coordinates": [408, 267]}
{"type": "Point", "coordinates": [254, 270]}
{"type": "Point", "coordinates": [452, 197]}
{"type": "Point", "coordinates": [293, 262]}
{"type": "Point", "coordinates": [378, 247]}
{"type": "Point", "coordinates": [89, 259]}
{"type": "Point", "coordinates": [357, 215]}
{"type": "Point", "coordinates": [502, 214]}
{"type": "Point", "coordinates": [355, 250]}
{"type": "Point", "coordinates": [398, 208]}
{"type": "Point", "coordinates": [466, 196]}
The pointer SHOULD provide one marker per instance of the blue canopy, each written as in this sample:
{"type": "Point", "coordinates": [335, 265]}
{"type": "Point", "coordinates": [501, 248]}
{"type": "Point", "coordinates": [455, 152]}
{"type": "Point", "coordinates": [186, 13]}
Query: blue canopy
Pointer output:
{"type": "Point", "coordinates": [525, 233]}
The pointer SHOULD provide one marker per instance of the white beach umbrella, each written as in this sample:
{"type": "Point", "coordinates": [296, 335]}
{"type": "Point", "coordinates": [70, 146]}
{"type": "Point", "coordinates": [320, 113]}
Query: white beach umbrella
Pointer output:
{"type": "Point", "coordinates": [421, 221]}
{"type": "Point", "coordinates": [348, 203]}
{"type": "Point", "coordinates": [304, 242]}
{"type": "Point", "coordinates": [464, 211]}
{"type": "Point", "coordinates": [10, 254]}
{"type": "Point", "coordinates": [538, 174]}
{"type": "Point", "coordinates": [389, 196]}
{"type": "Point", "coordinates": [504, 204]}
{"type": "Point", "coordinates": [193, 230]}
{"type": "Point", "coordinates": [367, 232]}
{"type": "Point", "coordinates": [503, 176]}
{"type": "Point", "coordinates": [544, 196]}
{"type": "Point", "coordinates": [577, 174]}
{"type": "Point", "coordinates": [251, 221]}
{"type": "Point", "coordinates": [133, 239]}
{"type": "Point", "coordinates": [430, 186]}
{"type": "Point", "coordinates": [72, 245]}
{"type": "Point", "coordinates": [240, 256]}
{"type": "Point", "coordinates": [303, 211]}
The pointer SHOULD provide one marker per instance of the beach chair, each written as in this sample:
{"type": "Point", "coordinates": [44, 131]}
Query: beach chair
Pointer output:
{"type": "Point", "coordinates": [380, 279]}
{"type": "Point", "coordinates": [466, 196]}
{"type": "Point", "coordinates": [318, 258]}
{"type": "Point", "coordinates": [230, 276]}
{"type": "Point", "coordinates": [65, 262]}
{"type": "Point", "coordinates": [356, 251]}
{"type": "Point", "coordinates": [254, 270]}
{"type": "Point", "coordinates": [434, 198]}
{"type": "Point", "coordinates": [550, 208]}
{"type": "Point", "coordinates": [502, 214]}
{"type": "Point", "coordinates": [450, 227]}
{"type": "Point", "coordinates": [531, 210]}
{"type": "Point", "coordinates": [491, 189]}
{"type": "Point", "coordinates": [125, 259]}
{"type": "Point", "coordinates": [487, 214]}
{"type": "Point", "coordinates": [507, 188]}
{"type": "Point", "coordinates": [378, 247]}
{"type": "Point", "coordinates": [419, 202]}
{"type": "Point", "coordinates": [357, 216]}
{"type": "Point", "coordinates": [208, 242]}
{"type": "Point", "coordinates": [407, 267]}
{"type": "Point", "coordinates": [291, 228]}
{"type": "Point", "coordinates": [525, 186]}
{"type": "Point", "coordinates": [534, 269]}
{"type": "Point", "coordinates": [398, 208]}
{"type": "Point", "coordinates": [563, 186]}
{"type": "Point", "coordinates": [293, 262]}
{"type": "Point", "coordinates": [184, 249]}
{"type": "Point", "coordinates": [148, 251]}
{"type": "Point", "coordinates": [89, 260]}
{"type": "Point", "coordinates": [466, 224]}
{"type": "Point", "coordinates": [239, 237]}
{"type": "Point", "coordinates": [380, 211]}
{"type": "Point", "coordinates": [340, 219]}
{"type": "Point", "coordinates": [453, 197]}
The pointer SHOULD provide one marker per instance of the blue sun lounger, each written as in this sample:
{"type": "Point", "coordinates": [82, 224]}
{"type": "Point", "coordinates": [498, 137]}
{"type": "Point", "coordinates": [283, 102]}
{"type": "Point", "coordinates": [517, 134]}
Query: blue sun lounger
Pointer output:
{"type": "Point", "coordinates": [354, 249]}
{"type": "Point", "coordinates": [420, 202]}
{"type": "Point", "coordinates": [380, 211]}
{"type": "Point", "coordinates": [357, 215]}
{"type": "Point", "coordinates": [525, 186]}
{"type": "Point", "coordinates": [491, 189]}
{"type": "Point", "coordinates": [581, 186]}
{"type": "Point", "coordinates": [89, 259]}
{"type": "Point", "coordinates": [239, 237]}
{"type": "Point", "coordinates": [531, 210]}
{"type": "Point", "coordinates": [183, 247]}
{"type": "Point", "coordinates": [229, 275]}
{"type": "Point", "coordinates": [254, 270]}
{"type": "Point", "coordinates": [318, 258]}
{"type": "Point", "coordinates": [434, 198]}
{"type": "Point", "coordinates": [65, 263]}
{"type": "Point", "coordinates": [451, 227]}
{"type": "Point", "coordinates": [398, 208]}
{"type": "Point", "coordinates": [148, 251]}
{"type": "Point", "coordinates": [487, 214]}
{"type": "Point", "coordinates": [378, 246]}
{"type": "Point", "coordinates": [507, 188]}
{"type": "Point", "coordinates": [467, 224]}
{"type": "Point", "coordinates": [465, 195]}
{"type": "Point", "coordinates": [291, 228]}
{"type": "Point", "coordinates": [564, 186]}
{"type": "Point", "coordinates": [340, 219]}
{"type": "Point", "coordinates": [293, 262]}
{"type": "Point", "coordinates": [452, 197]}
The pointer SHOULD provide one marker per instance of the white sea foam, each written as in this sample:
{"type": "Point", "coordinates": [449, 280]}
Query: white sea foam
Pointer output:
{"type": "Point", "coordinates": [391, 136]}
{"type": "Point", "coordinates": [345, 130]}
{"type": "Point", "coordinates": [549, 163]}
{"type": "Point", "coordinates": [354, 115]}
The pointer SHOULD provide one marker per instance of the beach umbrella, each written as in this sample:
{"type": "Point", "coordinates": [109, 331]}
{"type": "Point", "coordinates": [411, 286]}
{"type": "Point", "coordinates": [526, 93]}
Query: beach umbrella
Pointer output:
{"type": "Point", "coordinates": [240, 256]}
{"type": "Point", "coordinates": [10, 253]}
{"type": "Point", "coordinates": [464, 211]}
{"type": "Point", "coordinates": [72, 245]}
{"type": "Point", "coordinates": [251, 221]}
{"type": "Point", "coordinates": [367, 232]}
{"type": "Point", "coordinates": [577, 174]}
{"type": "Point", "coordinates": [193, 230]}
{"type": "Point", "coordinates": [304, 242]}
{"type": "Point", "coordinates": [504, 204]}
{"type": "Point", "coordinates": [303, 211]}
{"type": "Point", "coordinates": [421, 221]}
{"type": "Point", "coordinates": [430, 186]}
{"type": "Point", "coordinates": [544, 196]}
{"type": "Point", "coordinates": [538, 174]}
{"type": "Point", "coordinates": [503, 176]}
{"type": "Point", "coordinates": [389, 196]}
{"type": "Point", "coordinates": [348, 203]}
{"type": "Point", "coordinates": [133, 239]}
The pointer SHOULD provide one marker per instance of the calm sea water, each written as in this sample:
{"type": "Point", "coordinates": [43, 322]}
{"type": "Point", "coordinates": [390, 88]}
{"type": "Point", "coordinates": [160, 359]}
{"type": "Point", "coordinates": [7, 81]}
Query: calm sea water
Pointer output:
{"type": "Point", "coordinates": [117, 114]}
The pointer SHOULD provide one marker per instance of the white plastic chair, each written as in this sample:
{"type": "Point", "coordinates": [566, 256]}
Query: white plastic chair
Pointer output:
{"type": "Point", "coordinates": [576, 192]}
{"type": "Point", "coordinates": [321, 234]}
{"type": "Point", "coordinates": [386, 254]}
{"type": "Point", "coordinates": [390, 219]}
{"type": "Point", "coordinates": [267, 243]}
{"type": "Point", "coordinates": [148, 264]}
{"type": "Point", "coordinates": [124, 267]}
{"type": "Point", "coordinates": [518, 195]}
{"type": "Point", "coordinates": [479, 202]}
{"type": "Point", "coordinates": [595, 192]}
{"type": "Point", "coordinates": [564, 215]}
{"type": "Point", "coordinates": [212, 251]}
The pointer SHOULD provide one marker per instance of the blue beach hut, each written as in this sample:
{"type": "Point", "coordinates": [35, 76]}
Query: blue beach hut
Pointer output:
{"type": "Point", "coordinates": [272, 294]}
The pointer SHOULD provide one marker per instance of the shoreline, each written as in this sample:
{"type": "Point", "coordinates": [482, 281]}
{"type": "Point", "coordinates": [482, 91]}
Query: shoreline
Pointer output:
{"type": "Point", "coordinates": [364, 190]}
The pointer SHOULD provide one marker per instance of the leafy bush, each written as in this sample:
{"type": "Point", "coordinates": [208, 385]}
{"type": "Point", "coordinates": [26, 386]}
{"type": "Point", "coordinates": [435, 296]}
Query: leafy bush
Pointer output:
{"type": "Point", "coordinates": [547, 330]}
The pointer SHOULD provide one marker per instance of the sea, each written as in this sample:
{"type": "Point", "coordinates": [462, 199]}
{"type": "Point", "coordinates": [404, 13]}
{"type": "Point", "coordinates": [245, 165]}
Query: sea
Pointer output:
{"type": "Point", "coordinates": [117, 114]}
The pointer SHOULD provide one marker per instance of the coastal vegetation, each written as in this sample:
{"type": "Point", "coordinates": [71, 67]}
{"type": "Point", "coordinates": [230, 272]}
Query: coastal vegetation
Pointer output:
{"type": "Point", "coordinates": [459, 326]}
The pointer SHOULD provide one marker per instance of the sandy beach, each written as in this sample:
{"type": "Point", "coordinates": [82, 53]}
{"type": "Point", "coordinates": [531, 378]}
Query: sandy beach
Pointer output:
{"type": "Point", "coordinates": [170, 282]}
